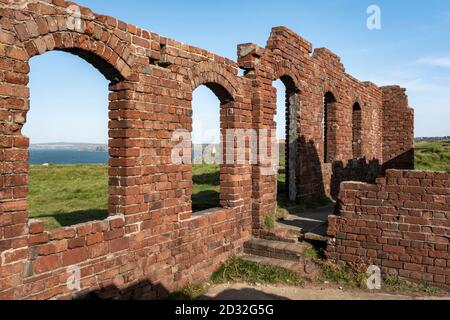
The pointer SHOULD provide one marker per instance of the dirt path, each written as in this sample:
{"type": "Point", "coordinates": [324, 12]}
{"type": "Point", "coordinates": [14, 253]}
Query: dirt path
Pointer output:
{"type": "Point", "coordinates": [248, 292]}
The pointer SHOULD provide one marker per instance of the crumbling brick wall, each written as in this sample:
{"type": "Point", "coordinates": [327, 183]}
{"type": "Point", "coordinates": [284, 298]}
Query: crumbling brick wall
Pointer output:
{"type": "Point", "coordinates": [152, 243]}
{"type": "Point", "coordinates": [308, 76]}
{"type": "Point", "coordinates": [398, 129]}
{"type": "Point", "coordinates": [400, 224]}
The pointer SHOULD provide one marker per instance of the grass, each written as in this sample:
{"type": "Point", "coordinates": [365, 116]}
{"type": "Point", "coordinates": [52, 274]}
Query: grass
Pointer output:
{"type": "Point", "coordinates": [400, 285]}
{"type": "Point", "coordinates": [269, 222]}
{"type": "Point", "coordinates": [434, 156]}
{"type": "Point", "coordinates": [237, 270]}
{"type": "Point", "coordinates": [313, 253]}
{"type": "Point", "coordinates": [355, 278]}
{"type": "Point", "coordinates": [189, 292]}
{"type": "Point", "coordinates": [206, 189]}
{"type": "Point", "coordinates": [344, 276]}
{"type": "Point", "coordinates": [66, 195]}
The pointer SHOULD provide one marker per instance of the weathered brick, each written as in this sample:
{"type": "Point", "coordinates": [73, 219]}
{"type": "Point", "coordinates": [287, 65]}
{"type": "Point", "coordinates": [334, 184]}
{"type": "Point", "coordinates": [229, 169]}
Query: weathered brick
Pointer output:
{"type": "Point", "coordinates": [152, 225]}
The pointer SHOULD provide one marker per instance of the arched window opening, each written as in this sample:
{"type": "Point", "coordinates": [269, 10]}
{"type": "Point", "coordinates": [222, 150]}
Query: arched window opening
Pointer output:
{"type": "Point", "coordinates": [287, 121]}
{"type": "Point", "coordinates": [206, 140]}
{"type": "Point", "coordinates": [357, 131]}
{"type": "Point", "coordinates": [68, 129]}
{"type": "Point", "coordinates": [329, 127]}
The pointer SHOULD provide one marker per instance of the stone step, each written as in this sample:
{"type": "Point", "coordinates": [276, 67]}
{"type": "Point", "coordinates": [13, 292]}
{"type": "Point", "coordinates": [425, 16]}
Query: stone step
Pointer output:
{"type": "Point", "coordinates": [303, 268]}
{"type": "Point", "coordinates": [310, 236]}
{"type": "Point", "coordinates": [282, 234]}
{"type": "Point", "coordinates": [276, 249]}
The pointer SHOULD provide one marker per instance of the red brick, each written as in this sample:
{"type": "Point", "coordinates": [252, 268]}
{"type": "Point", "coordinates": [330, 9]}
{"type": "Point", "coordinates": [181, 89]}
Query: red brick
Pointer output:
{"type": "Point", "coordinates": [158, 229]}
{"type": "Point", "coordinates": [46, 264]}
{"type": "Point", "coordinates": [74, 256]}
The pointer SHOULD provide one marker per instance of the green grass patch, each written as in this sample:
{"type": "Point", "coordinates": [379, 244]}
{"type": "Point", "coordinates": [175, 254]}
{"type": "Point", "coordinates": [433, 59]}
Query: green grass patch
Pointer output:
{"type": "Point", "coordinates": [65, 195]}
{"type": "Point", "coordinates": [189, 292]}
{"type": "Point", "coordinates": [344, 276]}
{"type": "Point", "coordinates": [206, 189]}
{"type": "Point", "coordinates": [68, 194]}
{"type": "Point", "coordinates": [237, 270]}
{"type": "Point", "coordinates": [312, 253]}
{"type": "Point", "coordinates": [356, 278]}
{"type": "Point", "coordinates": [399, 285]}
{"type": "Point", "coordinates": [434, 156]}
{"type": "Point", "coordinates": [269, 222]}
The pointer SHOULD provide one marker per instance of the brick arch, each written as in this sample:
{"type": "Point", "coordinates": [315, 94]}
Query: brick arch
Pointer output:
{"type": "Point", "coordinates": [329, 87]}
{"type": "Point", "coordinates": [330, 123]}
{"type": "Point", "coordinates": [111, 57]}
{"type": "Point", "coordinates": [288, 73]}
{"type": "Point", "coordinates": [101, 56]}
{"type": "Point", "coordinates": [356, 99]}
{"type": "Point", "coordinates": [217, 78]}
{"type": "Point", "coordinates": [357, 128]}
{"type": "Point", "coordinates": [106, 58]}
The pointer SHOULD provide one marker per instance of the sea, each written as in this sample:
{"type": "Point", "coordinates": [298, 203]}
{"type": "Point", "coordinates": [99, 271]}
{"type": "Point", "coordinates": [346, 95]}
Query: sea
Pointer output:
{"type": "Point", "coordinates": [55, 157]}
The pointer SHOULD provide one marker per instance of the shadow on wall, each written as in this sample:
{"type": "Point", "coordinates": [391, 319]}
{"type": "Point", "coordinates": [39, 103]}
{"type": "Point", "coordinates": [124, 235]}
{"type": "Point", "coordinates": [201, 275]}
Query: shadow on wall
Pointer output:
{"type": "Point", "coordinates": [405, 161]}
{"type": "Point", "coordinates": [309, 171]}
{"type": "Point", "coordinates": [368, 171]}
{"type": "Point", "coordinates": [361, 170]}
{"type": "Point", "coordinates": [310, 175]}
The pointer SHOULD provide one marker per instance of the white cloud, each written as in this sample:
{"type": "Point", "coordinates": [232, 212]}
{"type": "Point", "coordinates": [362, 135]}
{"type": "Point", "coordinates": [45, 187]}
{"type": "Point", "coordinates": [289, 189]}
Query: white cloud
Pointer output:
{"type": "Point", "coordinates": [436, 61]}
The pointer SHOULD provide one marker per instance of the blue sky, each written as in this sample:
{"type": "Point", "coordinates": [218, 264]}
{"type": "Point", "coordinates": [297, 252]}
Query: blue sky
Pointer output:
{"type": "Point", "coordinates": [69, 97]}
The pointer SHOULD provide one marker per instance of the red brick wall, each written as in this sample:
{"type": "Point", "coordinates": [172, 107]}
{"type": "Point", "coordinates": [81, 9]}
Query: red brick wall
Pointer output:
{"type": "Point", "coordinates": [398, 129]}
{"type": "Point", "coordinates": [289, 57]}
{"type": "Point", "coordinates": [400, 224]}
{"type": "Point", "coordinates": [152, 243]}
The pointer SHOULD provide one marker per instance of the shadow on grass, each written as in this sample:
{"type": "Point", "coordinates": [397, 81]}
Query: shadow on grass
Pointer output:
{"type": "Point", "coordinates": [205, 200]}
{"type": "Point", "coordinates": [210, 178]}
{"type": "Point", "coordinates": [73, 218]}
{"type": "Point", "coordinates": [294, 207]}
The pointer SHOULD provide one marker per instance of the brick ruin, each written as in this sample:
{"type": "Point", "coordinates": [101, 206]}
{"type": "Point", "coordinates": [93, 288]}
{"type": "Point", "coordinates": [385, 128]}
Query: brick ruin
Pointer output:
{"type": "Point", "coordinates": [338, 129]}
{"type": "Point", "coordinates": [400, 224]}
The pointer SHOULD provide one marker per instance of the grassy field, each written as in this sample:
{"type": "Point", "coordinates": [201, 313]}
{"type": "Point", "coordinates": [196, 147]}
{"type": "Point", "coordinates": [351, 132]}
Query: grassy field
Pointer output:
{"type": "Point", "coordinates": [65, 195]}
{"type": "Point", "coordinates": [70, 194]}
{"type": "Point", "coordinates": [433, 156]}
{"type": "Point", "coordinates": [206, 190]}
